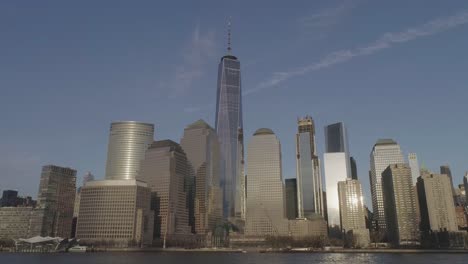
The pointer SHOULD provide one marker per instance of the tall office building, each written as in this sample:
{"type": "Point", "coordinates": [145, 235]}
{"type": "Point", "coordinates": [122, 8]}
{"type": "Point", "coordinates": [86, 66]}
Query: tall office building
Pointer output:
{"type": "Point", "coordinates": [414, 165]}
{"type": "Point", "coordinates": [117, 211]}
{"type": "Point", "coordinates": [166, 170]}
{"type": "Point", "coordinates": [400, 205]}
{"type": "Point", "coordinates": [201, 146]}
{"type": "Point", "coordinates": [229, 127]}
{"type": "Point", "coordinates": [436, 203]}
{"type": "Point", "coordinates": [309, 180]}
{"type": "Point", "coordinates": [57, 197]}
{"type": "Point", "coordinates": [384, 153]}
{"type": "Point", "coordinates": [353, 212]}
{"type": "Point", "coordinates": [88, 177]}
{"type": "Point", "coordinates": [291, 198]}
{"type": "Point", "coordinates": [337, 168]}
{"type": "Point", "coordinates": [352, 163]}
{"type": "Point", "coordinates": [128, 141]}
{"type": "Point", "coordinates": [265, 200]}
{"type": "Point", "coordinates": [445, 169]}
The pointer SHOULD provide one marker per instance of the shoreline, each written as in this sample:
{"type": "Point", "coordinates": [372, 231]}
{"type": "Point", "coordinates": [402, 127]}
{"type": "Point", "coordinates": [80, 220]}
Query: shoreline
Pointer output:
{"type": "Point", "coordinates": [267, 251]}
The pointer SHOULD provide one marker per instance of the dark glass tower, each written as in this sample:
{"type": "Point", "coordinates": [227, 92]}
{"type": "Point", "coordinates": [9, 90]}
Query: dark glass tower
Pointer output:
{"type": "Point", "coordinates": [229, 128]}
{"type": "Point", "coordinates": [309, 180]}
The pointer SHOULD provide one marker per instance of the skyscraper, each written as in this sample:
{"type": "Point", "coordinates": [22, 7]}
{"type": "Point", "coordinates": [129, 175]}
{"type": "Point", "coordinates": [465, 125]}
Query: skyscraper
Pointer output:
{"type": "Point", "coordinates": [229, 127]}
{"type": "Point", "coordinates": [291, 198]}
{"type": "Point", "coordinates": [201, 146]}
{"type": "Point", "coordinates": [436, 203]}
{"type": "Point", "coordinates": [352, 211]}
{"type": "Point", "coordinates": [128, 141]}
{"type": "Point", "coordinates": [445, 169]}
{"type": "Point", "coordinates": [309, 180]}
{"type": "Point", "coordinates": [166, 170]}
{"type": "Point", "coordinates": [354, 174]}
{"type": "Point", "coordinates": [414, 165]}
{"type": "Point", "coordinates": [337, 168]}
{"type": "Point", "coordinates": [265, 200]}
{"type": "Point", "coordinates": [57, 197]}
{"type": "Point", "coordinates": [384, 153]}
{"type": "Point", "coordinates": [400, 205]}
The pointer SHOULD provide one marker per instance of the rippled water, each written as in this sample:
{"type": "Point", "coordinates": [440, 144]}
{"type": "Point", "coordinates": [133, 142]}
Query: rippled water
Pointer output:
{"type": "Point", "coordinates": [229, 258]}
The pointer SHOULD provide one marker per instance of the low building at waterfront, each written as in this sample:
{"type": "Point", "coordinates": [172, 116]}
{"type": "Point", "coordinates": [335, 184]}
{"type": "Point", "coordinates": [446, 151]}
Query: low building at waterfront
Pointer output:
{"type": "Point", "coordinates": [20, 222]}
{"type": "Point", "coordinates": [115, 211]}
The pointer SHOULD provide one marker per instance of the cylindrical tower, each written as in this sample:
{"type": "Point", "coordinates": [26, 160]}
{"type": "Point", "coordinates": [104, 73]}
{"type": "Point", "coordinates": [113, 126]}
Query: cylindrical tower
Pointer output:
{"type": "Point", "coordinates": [128, 141]}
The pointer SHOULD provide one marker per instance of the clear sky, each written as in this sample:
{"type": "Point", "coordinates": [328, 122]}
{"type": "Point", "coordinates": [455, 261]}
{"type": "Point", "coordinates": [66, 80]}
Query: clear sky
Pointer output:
{"type": "Point", "coordinates": [395, 69]}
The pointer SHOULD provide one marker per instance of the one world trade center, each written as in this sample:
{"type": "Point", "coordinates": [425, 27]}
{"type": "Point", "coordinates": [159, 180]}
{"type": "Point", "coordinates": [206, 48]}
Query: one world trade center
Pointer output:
{"type": "Point", "coordinates": [229, 128]}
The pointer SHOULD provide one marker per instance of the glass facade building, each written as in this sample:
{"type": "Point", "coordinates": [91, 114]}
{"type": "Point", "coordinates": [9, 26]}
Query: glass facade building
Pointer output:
{"type": "Point", "coordinates": [229, 128]}
{"type": "Point", "coordinates": [384, 153]}
{"type": "Point", "coordinates": [336, 138]}
{"type": "Point", "coordinates": [337, 168]}
{"type": "Point", "coordinates": [128, 141]}
{"type": "Point", "coordinates": [291, 198]}
{"type": "Point", "coordinates": [309, 180]}
{"type": "Point", "coordinates": [201, 146]}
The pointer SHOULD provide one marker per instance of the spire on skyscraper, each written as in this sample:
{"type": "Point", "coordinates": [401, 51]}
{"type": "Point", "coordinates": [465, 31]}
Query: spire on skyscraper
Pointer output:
{"type": "Point", "coordinates": [229, 36]}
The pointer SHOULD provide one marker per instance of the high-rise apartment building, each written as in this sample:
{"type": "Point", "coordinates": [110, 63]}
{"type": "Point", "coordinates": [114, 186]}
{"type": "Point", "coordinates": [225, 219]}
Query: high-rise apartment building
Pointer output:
{"type": "Point", "coordinates": [414, 165]}
{"type": "Point", "coordinates": [353, 213]}
{"type": "Point", "coordinates": [229, 127]}
{"type": "Point", "coordinates": [167, 172]}
{"type": "Point", "coordinates": [384, 153]}
{"type": "Point", "coordinates": [200, 143]}
{"type": "Point", "coordinates": [291, 198]}
{"type": "Point", "coordinates": [309, 180]}
{"type": "Point", "coordinates": [117, 211]}
{"type": "Point", "coordinates": [128, 141]}
{"type": "Point", "coordinates": [265, 199]}
{"type": "Point", "coordinates": [400, 205]}
{"type": "Point", "coordinates": [337, 168]}
{"type": "Point", "coordinates": [57, 197]}
{"type": "Point", "coordinates": [436, 203]}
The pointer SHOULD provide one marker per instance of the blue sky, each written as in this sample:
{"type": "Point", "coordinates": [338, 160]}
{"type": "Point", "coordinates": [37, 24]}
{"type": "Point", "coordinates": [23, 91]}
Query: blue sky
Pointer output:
{"type": "Point", "coordinates": [68, 69]}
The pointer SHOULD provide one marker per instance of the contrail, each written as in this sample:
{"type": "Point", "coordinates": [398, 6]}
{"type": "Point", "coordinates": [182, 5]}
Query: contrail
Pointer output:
{"type": "Point", "coordinates": [386, 41]}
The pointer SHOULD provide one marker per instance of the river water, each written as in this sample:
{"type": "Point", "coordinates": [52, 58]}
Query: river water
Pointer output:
{"type": "Point", "coordinates": [229, 258]}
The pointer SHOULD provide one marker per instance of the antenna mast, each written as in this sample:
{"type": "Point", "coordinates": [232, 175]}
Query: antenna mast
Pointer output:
{"type": "Point", "coordinates": [229, 36]}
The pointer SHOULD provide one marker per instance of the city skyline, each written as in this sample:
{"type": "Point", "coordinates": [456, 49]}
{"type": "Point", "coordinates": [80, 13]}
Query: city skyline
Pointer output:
{"type": "Point", "coordinates": [25, 147]}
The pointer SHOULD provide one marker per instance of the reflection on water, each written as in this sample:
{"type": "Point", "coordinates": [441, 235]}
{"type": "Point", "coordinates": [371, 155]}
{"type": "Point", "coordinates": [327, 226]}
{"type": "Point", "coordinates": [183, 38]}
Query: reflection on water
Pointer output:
{"type": "Point", "coordinates": [229, 258]}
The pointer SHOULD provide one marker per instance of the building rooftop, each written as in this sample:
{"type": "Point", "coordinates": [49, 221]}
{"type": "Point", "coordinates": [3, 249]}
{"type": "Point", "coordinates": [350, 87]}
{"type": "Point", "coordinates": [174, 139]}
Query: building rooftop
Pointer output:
{"type": "Point", "coordinates": [264, 131]}
{"type": "Point", "coordinates": [199, 124]}
{"type": "Point", "coordinates": [385, 141]}
{"type": "Point", "coordinates": [231, 57]}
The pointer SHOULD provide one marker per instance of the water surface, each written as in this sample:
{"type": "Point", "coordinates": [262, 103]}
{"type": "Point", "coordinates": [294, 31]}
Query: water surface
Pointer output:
{"type": "Point", "coordinates": [230, 258]}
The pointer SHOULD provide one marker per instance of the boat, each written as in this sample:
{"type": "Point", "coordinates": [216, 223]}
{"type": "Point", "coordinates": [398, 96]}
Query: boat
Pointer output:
{"type": "Point", "coordinates": [77, 249]}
